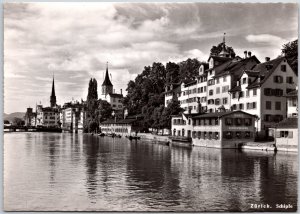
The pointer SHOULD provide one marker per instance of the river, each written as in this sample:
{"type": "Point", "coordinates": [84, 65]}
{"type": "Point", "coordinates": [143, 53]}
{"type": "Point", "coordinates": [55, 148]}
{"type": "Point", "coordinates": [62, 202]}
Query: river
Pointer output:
{"type": "Point", "coordinates": [79, 172]}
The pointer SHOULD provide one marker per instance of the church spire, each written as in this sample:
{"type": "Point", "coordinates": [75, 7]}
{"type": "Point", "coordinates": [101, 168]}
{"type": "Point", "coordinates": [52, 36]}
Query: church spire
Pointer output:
{"type": "Point", "coordinates": [107, 81]}
{"type": "Point", "coordinates": [53, 97]}
{"type": "Point", "coordinates": [224, 38]}
{"type": "Point", "coordinates": [107, 86]}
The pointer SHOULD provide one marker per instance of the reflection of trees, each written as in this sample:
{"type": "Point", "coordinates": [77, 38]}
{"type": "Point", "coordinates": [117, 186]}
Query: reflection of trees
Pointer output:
{"type": "Point", "coordinates": [149, 169]}
{"type": "Point", "coordinates": [91, 150]}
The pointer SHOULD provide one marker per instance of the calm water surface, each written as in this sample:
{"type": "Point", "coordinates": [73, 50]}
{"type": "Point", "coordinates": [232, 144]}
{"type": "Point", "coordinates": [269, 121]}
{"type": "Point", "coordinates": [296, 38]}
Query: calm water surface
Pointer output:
{"type": "Point", "coordinates": [68, 172]}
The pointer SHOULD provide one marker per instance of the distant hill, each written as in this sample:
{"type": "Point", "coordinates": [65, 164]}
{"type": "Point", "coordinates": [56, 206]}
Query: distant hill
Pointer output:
{"type": "Point", "coordinates": [11, 116]}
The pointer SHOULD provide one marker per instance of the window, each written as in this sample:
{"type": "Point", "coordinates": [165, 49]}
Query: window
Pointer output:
{"type": "Point", "coordinates": [233, 107]}
{"type": "Point", "coordinates": [254, 105]}
{"type": "Point", "coordinates": [209, 135]}
{"type": "Point", "coordinates": [216, 135]}
{"type": "Point", "coordinates": [225, 88]}
{"type": "Point", "coordinates": [218, 90]}
{"type": "Point", "coordinates": [217, 101]}
{"type": "Point", "coordinates": [247, 134]}
{"type": "Point", "coordinates": [227, 135]}
{"type": "Point", "coordinates": [268, 105]}
{"type": "Point", "coordinates": [241, 94]}
{"type": "Point", "coordinates": [225, 100]}
{"type": "Point", "coordinates": [244, 80]}
{"type": "Point", "coordinates": [241, 106]}
{"type": "Point", "coordinates": [233, 95]}
{"type": "Point", "coordinates": [283, 68]}
{"type": "Point", "coordinates": [210, 72]}
{"type": "Point", "coordinates": [216, 121]}
{"type": "Point", "coordinates": [238, 121]}
{"type": "Point", "coordinates": [248, 121]}
{"type": "Point", "coordinates": [199, 135]}
{"type": "Point", "coordinates": [224, 79]}
{"type": "Point", "coordinates": [204, 135]}
{"type": "Point", "coordinates": [204, 88]}
{"type": "Point", "coordinates": [247, 93]}
{"type": "Point", "coordinates": [218, 80]}
{"type": "Point", "coordinates": [268, 91]}
{"type": "Point", "coordinates": [228, 121]}
{"type": "Point", "coordinates": [289, 80]}
{"type": "Point", "coordinates": [211, 92]}
{"type": "Point", "coordinates": [238, 134]}
{"type": "Point", "coordinates": [278, 92]}
{"type": "Point", "coordinates": [254, 92]}
{"type": "Point", "coordinates": [278, 79]}
{"type": "Point", "coordinates": [277, 105]}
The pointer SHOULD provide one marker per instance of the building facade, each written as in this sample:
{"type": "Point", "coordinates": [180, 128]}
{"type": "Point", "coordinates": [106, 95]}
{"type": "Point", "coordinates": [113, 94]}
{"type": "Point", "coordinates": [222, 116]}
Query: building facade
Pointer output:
{"type": "Point", "coordinates": [73, 116]}
{"type": "Point", "coordinates": [219, 129]}
{"type": "Point", "coordinates": [235, 83]}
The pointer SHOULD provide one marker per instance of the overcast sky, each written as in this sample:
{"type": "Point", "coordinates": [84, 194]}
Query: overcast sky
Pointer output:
{"type": "Point", "coordinates": [74, 41]}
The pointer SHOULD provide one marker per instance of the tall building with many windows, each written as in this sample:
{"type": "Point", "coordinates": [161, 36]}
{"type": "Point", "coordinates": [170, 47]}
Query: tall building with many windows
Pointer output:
{"type": "Point", "coordinates": [235, 83]}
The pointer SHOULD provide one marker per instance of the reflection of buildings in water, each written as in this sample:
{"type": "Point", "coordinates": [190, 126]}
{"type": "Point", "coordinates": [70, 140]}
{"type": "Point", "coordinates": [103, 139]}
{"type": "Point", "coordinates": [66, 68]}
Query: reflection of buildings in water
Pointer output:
{"type": "Point", "coordinates": [149, 169]}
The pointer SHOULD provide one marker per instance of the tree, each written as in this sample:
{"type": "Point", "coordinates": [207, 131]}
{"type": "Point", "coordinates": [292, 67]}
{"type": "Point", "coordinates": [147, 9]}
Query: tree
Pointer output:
{"type": "Point", "coordinates": [215, 50]}
{"type": "Point", "coordinates": [104, 110]}
{"type": "Point", "coordinates": [172, 73]}
{"type": "Point", "coordinates": [18, 122]}
{"type": "Point", "coordinates": [189, 69]}
{"type": "Point", "coordinates": [173, 108]}
{"type": "Point", "coordinates": [290, 50]}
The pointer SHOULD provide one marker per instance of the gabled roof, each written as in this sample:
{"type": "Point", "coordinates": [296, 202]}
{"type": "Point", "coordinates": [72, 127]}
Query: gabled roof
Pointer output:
{"type": "Point", "coordinates": [219, 58]}
{"type": "Point", "coordinates": [193, 82]}
{"type": "Point", "coordinates": [221, 114]}
{"type": "Point", "coordinates": [235, 89]}
{"type": "Point", "coordinates": [290, 122]}
{"type": "Point", "coordinates": [265, 70]}
{"type": "Point", "coordinates": [236, 66]}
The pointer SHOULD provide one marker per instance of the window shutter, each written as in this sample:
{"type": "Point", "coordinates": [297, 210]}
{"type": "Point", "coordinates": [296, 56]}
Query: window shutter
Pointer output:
{"type": "Point", "coordinates": [290, 134]}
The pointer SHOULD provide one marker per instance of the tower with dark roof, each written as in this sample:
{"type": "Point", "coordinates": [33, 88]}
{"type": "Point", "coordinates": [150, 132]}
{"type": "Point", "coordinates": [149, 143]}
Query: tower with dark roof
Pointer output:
{"type": "Point", "coordinates": [107, 86]}
{"type": "Point", "coordinates": [53, 97]}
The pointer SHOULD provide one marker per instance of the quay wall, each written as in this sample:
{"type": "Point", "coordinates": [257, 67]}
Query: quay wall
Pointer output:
{"type": "Point", "coordinates": [153, 137]}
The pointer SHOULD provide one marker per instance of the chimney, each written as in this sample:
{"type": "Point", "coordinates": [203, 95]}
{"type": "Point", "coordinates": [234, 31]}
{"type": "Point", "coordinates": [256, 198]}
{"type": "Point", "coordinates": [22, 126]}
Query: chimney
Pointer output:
{"type": "Point", "coordinates": [121, 90]}
{"type": "Point", "coordinates": [267, 59]}
{"type": "Point", "coordinates": [245, 52]}
{"type": "Point", "coordinates": [249, 53]}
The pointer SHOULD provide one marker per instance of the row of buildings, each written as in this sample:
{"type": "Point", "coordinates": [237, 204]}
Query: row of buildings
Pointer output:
{"type": "Point", "coordinates": [245, 84]}
{"type": "Point", "coordinates": [71, 115]}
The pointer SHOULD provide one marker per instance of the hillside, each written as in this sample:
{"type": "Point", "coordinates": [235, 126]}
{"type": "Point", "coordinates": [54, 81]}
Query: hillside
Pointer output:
{"type": "Point", "coordinates": [11, 116]}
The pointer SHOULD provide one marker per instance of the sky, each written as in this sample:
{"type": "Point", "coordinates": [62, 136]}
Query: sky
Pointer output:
{"type": "Point", "coordinates": [73, 42]}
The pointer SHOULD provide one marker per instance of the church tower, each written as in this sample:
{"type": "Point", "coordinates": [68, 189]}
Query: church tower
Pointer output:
{"type": "Point", "coordinates": [53, 97]}
{"type": "Point", "coordinates": [224, 52]}
{"type": "Point", "coordinates": [107, 86]}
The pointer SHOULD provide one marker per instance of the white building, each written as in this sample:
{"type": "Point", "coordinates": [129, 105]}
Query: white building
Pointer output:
{"type": "Point", "coordinates": [292, 99]}
{"type": "Point", "coordinates": [47, 117]}
{"type": "Point", "coordinates": [262, 91]}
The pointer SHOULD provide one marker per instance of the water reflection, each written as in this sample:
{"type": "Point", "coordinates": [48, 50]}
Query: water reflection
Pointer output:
{"type": "Point", "coordinates": [68, 172]}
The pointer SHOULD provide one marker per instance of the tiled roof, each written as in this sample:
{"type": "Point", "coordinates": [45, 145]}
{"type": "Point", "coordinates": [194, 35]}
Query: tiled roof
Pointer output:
{"type": "Point", "coordinates": [290, 122]}
{"type": "Point", "coordinates": [220, 114]}
{"type": "Point", "coordinates": [264, 71]}
{"type": "Point", "coordinates": [236, 67]}
{"type": "Point", "coordinates": [236, 88]}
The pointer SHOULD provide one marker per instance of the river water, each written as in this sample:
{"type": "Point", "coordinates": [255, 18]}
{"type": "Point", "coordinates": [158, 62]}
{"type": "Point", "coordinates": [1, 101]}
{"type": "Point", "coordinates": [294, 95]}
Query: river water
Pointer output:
{"type": "Point", "coordinates": [69, 172]}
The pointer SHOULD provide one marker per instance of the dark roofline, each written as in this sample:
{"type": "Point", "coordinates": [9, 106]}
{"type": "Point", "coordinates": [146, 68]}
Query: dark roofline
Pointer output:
{"type": "Point", "coordinates": [221, 114]}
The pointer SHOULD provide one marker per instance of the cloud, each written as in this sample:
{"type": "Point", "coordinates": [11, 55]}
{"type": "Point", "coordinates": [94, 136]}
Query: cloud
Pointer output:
{"type": "Point", "coordinates": [74, 41]}
{"type": "Point", "coordinates": [265, 39]}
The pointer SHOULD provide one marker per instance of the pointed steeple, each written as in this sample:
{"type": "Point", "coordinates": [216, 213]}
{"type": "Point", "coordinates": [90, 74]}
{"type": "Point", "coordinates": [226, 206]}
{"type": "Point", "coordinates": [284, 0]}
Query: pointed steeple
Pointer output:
{"type": "Point", "coordinates": [107, 86]}
{"type": "Point", "coordinates": [224, 38]}
{"type": "Point", "coordinates": [107, 81]}
{"type": "Point", "coordinates": [53, 97]}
